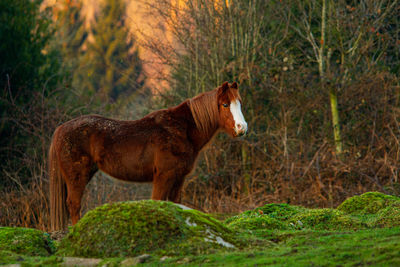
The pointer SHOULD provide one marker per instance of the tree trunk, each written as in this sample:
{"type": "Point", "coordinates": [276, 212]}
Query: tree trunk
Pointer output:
{"type": "Point", "coordinates": [332, 91]}
{"type": "Point", "coordinates": [335, 121]}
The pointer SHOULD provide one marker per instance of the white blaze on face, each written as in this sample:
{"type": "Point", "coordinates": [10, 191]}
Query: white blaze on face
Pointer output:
{"type": "Point", "coordinates": [240, 123]}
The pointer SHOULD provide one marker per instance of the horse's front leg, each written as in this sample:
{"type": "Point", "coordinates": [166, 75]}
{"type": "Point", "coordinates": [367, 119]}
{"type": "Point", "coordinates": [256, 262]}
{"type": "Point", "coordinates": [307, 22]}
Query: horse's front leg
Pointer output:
{"type": "Point", "coordinates": [175, 192]}
{"type": "Point", "coordinates": [162, 184]}
{"type": "Point", "coordinates": [167, 186]}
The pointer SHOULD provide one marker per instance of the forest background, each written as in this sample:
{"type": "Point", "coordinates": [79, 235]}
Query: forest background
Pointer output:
{"type": "Point", "coordinates": [319, 81]}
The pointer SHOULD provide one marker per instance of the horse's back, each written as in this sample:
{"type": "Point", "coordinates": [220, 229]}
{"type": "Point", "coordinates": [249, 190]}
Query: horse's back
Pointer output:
{"type": "Point", "coordinates": [77, 132]}
{"type": "Point", "coordinates": [89, 130]}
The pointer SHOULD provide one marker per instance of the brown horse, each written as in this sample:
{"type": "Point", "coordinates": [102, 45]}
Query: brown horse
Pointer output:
{"type": "Point", "coordinates": [161, 148]}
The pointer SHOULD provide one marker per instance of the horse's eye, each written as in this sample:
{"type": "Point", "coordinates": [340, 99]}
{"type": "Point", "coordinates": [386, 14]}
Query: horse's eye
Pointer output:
{"type": "Point", "coordinates": [225, 105]}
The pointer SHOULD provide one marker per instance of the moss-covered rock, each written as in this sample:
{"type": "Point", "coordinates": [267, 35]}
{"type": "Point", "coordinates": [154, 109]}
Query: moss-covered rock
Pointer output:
{"type": "Point", "coordinates": [325, 219]}
{"type": "Point", "coordinates": [25, 241]}
{"type": "Point", "coordinates": [387, 217]}
{"type": "Point", "coordinates": [268, 217]}
{"type": "Point", "coordinates": [367, 203]}
{"type": "Point", "coordinates": [257, 222]}
{"type": "Point", "coordinates": [284, 217]}
{"type": "Point", "coordinates": [137, 227]}
{"type": "Point", "coordinates": [281, 211]}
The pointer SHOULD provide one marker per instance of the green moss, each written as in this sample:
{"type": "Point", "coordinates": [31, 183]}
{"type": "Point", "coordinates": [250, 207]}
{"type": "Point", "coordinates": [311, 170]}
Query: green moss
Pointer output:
{"type": "Point", "coordinates": [387, 217]}
{"type": "Point", "coordinates": [367, 203]}
{"type": "Point", "coordinates": [137, 227]}
{"type": "Point", "coordinates": [284, 217]}
{"type": "Point", "coordinates": [275, 234]}
{"type": "Point", "coordinates": [370, 247]}
{"type": "Point", "coordinates": [325, 219]}
{"type": "Point", "coordinates": [267, 217]}
{"type": "Point", "coordinates": [276, 211]}
{"type": "Point", "coordinates": [25, 241]}
{"type": "Point", "coordinates": [8, 257]}
{"type": "Point", "coordinates": [257, 223]}
{"type": "Point", "coordinates": [280, 211]}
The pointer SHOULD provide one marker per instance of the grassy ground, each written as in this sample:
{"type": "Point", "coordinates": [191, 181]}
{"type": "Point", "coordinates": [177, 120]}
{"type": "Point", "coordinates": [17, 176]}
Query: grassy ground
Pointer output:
{"type": "Point", "coordinates": [373, 247]}
{"type": "Point", "coordinates": [379, 247]}
{"type": "Point", "coordinates": [363, 231]}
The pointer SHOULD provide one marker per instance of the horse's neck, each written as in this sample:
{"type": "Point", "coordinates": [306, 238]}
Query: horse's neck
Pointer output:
{"type": "Point", "coordinates": [203, 140]}
{"type": "Point", "coordinates": [198, 138]}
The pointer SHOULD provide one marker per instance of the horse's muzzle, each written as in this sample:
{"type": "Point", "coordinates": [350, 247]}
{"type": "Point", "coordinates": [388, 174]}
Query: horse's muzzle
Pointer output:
{"type": "Point", "coordinates": [243, 133]}
{"type": "Point", "coordinates": [241, 129]}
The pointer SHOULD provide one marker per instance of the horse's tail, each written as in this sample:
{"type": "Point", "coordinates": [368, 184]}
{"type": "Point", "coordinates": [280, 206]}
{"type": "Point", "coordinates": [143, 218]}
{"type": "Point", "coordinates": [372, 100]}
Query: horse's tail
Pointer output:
{"type": "Point", "coordinates": [58, 192]}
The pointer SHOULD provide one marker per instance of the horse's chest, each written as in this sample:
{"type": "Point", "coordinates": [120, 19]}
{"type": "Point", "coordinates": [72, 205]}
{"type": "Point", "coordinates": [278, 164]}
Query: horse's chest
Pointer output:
{"type": "Point", "coordinates": [174, 145]}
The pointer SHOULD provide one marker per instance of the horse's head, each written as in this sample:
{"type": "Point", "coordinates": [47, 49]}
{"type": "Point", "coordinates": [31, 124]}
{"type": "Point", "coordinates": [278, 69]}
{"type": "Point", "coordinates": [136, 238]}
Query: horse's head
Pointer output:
{"type": "Point", "coordinates": [229, 107]}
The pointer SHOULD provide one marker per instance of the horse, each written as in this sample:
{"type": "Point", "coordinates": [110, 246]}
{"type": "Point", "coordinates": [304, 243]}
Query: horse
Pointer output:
{"type": "Point", "coordinates": [162, 148]}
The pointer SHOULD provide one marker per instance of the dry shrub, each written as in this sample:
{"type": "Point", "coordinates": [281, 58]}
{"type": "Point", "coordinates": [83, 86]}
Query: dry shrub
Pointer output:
{"type": "Point", "coordinates": [26, 206]}
{"type": "Point", "coordinates": [24, 188]}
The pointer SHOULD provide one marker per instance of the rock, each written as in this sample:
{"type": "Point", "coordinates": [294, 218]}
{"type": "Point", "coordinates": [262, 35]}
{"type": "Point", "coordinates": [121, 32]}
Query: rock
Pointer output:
{"type": "Point", "coordinates": [134, 261]}
{"type": "Point", "coordinates": [129, 262]}
{"type": "Point", "coordinates": [184, 260]}
{"type": "Point", "coordinates": [84, 262]}
{"type": "Point", "coordinates": [164, 258]}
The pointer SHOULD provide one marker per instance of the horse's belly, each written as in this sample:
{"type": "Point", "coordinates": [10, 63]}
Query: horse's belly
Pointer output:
{"type": "Point", "coordinates": [129, 160]}
{"type": "Point", "coordinates": [128, 168]}
{"type": "Point", "coordinates": [129, 175]}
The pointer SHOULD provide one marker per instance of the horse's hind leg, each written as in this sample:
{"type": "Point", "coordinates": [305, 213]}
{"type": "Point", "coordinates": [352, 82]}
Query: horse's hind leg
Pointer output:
{"type": "Point", "coordinates": [80, 174]}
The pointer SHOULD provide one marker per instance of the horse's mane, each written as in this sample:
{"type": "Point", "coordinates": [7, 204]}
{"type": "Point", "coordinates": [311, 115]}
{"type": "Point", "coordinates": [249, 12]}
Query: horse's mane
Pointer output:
{"type": "Point", "coordinates": [204, 108]}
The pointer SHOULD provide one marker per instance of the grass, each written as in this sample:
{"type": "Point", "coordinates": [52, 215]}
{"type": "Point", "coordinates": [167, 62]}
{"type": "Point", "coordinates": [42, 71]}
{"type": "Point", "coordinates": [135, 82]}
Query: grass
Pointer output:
{"type": "Point", "coordinates": [372, 247]}
{"type": "Point", "coordinates": [274, 234]}
{"type": "Point", "coordinates": [379, 247]}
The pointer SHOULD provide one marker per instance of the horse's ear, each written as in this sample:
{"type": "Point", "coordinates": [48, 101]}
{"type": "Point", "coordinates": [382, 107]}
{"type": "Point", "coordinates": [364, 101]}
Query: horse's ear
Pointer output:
{"type": "Point", "coordinates": [234, 85]}
{"type": "Point", "coordinates": [224, 87]}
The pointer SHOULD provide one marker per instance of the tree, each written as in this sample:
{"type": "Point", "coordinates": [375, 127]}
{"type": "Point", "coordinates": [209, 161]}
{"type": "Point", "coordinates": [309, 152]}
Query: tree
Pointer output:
{"type": "Point", "coordinates": [71, 36]}
{"type": "Point", "coordinates": [24, 34]}
{"type": "Point", "coordinates": [346, 37]}
{"type": "Point", "coordinates": [111, 68]}
{"type": "Point", "coordinates": [28, 67]}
